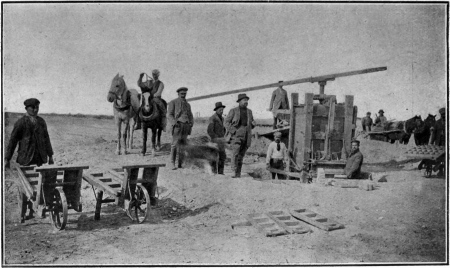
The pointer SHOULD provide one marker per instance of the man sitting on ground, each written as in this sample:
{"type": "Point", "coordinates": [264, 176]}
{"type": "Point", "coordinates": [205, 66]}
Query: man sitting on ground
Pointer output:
{"type": "Point", "coordinates": [354, 162]}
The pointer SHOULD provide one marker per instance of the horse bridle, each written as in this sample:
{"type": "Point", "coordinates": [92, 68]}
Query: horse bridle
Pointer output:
{"type": "Point", "coordinates": [119, 97]}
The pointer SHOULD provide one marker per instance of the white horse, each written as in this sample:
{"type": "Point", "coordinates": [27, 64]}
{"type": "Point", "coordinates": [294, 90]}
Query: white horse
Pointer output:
{"type": "Point", "coordinates": [125, 106]}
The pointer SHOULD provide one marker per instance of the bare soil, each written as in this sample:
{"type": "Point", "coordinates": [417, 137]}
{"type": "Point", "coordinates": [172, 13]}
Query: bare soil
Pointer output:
{"type": "Point", "coordinates": [403, 220]}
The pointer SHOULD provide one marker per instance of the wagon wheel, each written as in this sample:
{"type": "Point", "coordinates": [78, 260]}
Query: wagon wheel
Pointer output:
{"type": "Point", "coordinates": [139, 205]}
{"type": "Point", "coordinates": [59, 209]}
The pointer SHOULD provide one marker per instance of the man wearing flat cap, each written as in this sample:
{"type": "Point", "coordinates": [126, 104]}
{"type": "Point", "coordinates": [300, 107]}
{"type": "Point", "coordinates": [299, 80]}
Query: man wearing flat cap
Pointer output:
{"type": "Point", "coordinates": [277, 156]}
{"type": "Point", "coordinates": [216, 131]}
{"type": "Point", "coordinates": [181, 121]}
{"type": "Point", "coordinates": [239, 124]}
{"type": "Point", "coordinates": [381, 120]}
{"type": "Point", "coordinates": [278, 101]}
{"type": "Point", "coordinates": [354, 162]}
{"type": "Point", "coordinates": [367, 122]}
{"type": "Point", "coordinates": [30, 132]}
{"type": "Point", "coordinates": [155, 87]}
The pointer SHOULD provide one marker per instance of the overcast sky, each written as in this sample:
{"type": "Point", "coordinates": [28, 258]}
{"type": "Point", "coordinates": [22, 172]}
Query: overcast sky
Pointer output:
{"type": "Point", "coordinates": [67, 54]}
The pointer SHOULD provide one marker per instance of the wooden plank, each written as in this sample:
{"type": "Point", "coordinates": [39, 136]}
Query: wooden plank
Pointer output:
{"type": "Point", "coordinates": [59, 168]}
{"type": "Point", "coordinates": [117, 176]}
{"type": "Point", "coordinates": [26, 186]}
{"type": "Point", "coordinates": [307, 128]}
{"type": "Point", "coordinates": [290, 174]}
{"type": "Point", "coordinates": [48, 180]}
{"type": "Point", "coordinates": [291, 82]}
{"type": "Point", "coordinates": [99, 184]}
{"type": "Point", "coordinates": [330, 126]}
{"type": "Point", "coordinates": [291, 138]}
{"type": "Point", "coordinates": [266, 225]}
{"type": "Point", "coordinates": [143, 166]}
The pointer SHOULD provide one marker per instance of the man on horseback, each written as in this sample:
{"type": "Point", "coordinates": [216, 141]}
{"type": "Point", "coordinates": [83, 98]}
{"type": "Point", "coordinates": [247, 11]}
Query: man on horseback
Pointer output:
{"type": "Point", "coordinates": [155, 87]}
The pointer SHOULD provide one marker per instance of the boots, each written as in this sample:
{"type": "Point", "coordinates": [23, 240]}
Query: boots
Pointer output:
{"type": "Point", "coordinates": [164, 122]}
{"type": "Point", "coordinates": [220, 167]}
{"type": "Point", "coordinates": [237, 173]}
{"type": "Point", "coordinates": [173, 157]}
{"type": "Point", "coordinates": [180, 156]}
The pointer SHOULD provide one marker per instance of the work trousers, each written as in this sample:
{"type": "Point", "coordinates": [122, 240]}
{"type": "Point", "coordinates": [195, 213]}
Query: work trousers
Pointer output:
{"type": "Point", "coordinates": [179, 140]}
{"type": "Point", "coordinates": [277, 164]}
{"type": "Point", "coordinates": [369, 127]}
{"type": "Point", "coordinates": [219, 164]}
{"type": "Point", "coordinates": [239, 147]}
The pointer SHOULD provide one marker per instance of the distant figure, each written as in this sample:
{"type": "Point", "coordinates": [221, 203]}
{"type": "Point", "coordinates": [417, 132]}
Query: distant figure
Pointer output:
{"type": "Point", "coordinates": [30, 132]}
{"type": "Point", "coordinates": [354, 162]}
{"type": "Point", "coordinates": [279, 100]}
{"type": "Point", "coordinates": [381, 120]}
{"type": "Point", "coordinates": [239, 124]}
{"type": "Point", "coordinates": [181, 121]}
{"type": "Point", "coordinates": [438, 132]}
{"type": "Point", "coordinates": [216, 131]}
{"type": "Point", "coordinates": [156, 87]}
{"type": "Point", "coordinates": [367, 122]}
{"type": "Point", "coordinates": [277, 156]}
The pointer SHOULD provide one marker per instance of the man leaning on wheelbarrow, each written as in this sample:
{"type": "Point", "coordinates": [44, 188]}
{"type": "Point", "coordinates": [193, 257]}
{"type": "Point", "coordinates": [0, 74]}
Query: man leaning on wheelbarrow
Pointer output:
{"type": "Point", "coordinates": [30, 132]}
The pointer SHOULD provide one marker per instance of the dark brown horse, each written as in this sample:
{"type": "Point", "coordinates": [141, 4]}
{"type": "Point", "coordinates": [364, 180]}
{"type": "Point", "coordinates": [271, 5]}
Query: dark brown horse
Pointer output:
{"type": "Point", "coordinates": [422, 132]}
{"type": "Point", "coordinates": [150, 118]}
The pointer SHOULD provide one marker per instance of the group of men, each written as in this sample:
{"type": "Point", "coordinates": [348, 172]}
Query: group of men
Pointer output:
{"type": "Point", "coordinates": [367, 121]}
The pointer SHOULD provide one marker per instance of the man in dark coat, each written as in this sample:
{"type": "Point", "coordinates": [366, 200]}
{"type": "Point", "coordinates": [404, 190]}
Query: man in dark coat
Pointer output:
{"type": "Point", "coordinates": [438, 135]}
{"type": "Point", "coordinates": [155, 87]}
{"type": "Point", "coordinates": [354, 162]}
{"type": "Point", "coordinates": [278, 101]}
{"type": "Point", "coordinates": [30, 132]}
{"type": "Point", "coordinates": [181, 121]}
{"type": "Point", "coordinates": [239, 124]}
{"type": "Point", "coordinates": [216, 131]}
{"type": "Point", "coordinates": [367, 122]}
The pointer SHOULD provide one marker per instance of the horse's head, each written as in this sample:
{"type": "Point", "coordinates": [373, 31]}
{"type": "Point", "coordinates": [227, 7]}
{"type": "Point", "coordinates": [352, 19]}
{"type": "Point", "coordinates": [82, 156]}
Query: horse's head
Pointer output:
{"type": "Point", "coordinates": [147, 97]}
{"type": "Point", "coordinates": [117, 88]}
{"type": "Point", "coordinates": [430, 120]}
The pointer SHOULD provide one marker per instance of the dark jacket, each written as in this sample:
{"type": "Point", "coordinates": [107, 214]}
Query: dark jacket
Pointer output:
{"type": "Point", "coordinates": [366, 121]}
{"type": "Point", "coordinates": [231, 123]}
{"type": "Point", "coordinates": [438, 137]}
{"type": "Point", "coordinates": [215, 127]}
{"type": "Point", "coordinates": [32, 138]}
{"type": "Point", "coordinates": [353, 165]}
{"type": "Point", "coordinates": [174, 110]}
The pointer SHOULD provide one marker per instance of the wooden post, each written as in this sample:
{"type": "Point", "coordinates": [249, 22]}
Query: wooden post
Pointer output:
{"type": "Point", "coordinates": [307, 127]}
{"type": "Point", "coordinates": [348, 125]}
{"type": "Point", "coordinates": [330, 126]}
{"type": "Point", "coordinates": [98, 205]}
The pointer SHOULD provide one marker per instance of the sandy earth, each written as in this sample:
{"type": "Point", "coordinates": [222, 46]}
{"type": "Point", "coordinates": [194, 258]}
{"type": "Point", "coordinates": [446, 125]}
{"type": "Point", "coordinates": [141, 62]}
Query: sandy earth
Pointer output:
{"type": "Point", "coordinates": [403, 220]}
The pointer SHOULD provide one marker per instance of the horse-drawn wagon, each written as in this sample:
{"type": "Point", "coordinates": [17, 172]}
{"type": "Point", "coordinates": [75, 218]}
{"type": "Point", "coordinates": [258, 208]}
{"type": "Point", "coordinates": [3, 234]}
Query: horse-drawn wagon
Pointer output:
{"type": "Point", "coordinates": [126, 189]}
{"type": "Point", "coordinates": [54, 189]}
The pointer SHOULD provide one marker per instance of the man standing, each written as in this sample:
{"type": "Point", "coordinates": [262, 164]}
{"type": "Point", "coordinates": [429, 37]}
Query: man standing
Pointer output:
{"type": "Point", "coordinates": [279, 100]}
{"type": "Point", "coordinates": [438, 135]}
{"type": "Point", "coordinates": [181, 121]}
{"type": "Point", "coordinates": [354, 162]}
{"type": "Point", "coordinates": [367, 122]}
{"type": "Point", "coordinates": [381, 119]}
{"type": "Point", "coordinates": [277, 156]}
{"type": "Point", "coordinates": [216, 131]}
{"type": "Point", "coordinates": [155, 87]}
{"type": "Point", "coordinates": [239, 124]}
{"type": "Point", "coordinates": [30, 132]}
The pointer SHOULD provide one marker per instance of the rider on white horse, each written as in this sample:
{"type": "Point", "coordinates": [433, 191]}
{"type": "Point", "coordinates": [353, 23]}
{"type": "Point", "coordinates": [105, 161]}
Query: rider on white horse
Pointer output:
{"type": "Point", "coordinates": [155, 87]}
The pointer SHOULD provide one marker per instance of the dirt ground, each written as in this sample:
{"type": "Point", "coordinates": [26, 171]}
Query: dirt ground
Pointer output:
{"type": "Point", "coordinates": [403, 220]}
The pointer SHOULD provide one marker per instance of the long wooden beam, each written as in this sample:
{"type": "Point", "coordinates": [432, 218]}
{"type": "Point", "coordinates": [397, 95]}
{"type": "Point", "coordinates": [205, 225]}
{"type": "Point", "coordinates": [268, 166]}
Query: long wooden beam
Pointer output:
{"type": "Point", "coordinates": [291, 82]}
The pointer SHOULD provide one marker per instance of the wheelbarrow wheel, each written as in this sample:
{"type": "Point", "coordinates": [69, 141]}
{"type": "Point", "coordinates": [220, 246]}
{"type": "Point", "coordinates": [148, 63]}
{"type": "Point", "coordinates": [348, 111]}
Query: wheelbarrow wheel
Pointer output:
{"type": "Point", "coordinates": [139, 206]}
{"type": "Point", "coordinates": [59, 210]}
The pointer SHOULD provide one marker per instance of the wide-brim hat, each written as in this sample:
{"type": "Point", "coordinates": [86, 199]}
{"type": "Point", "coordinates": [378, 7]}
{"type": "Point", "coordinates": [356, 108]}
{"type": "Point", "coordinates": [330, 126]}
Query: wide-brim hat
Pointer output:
{"type": "Point", "coordinates": [356, 141]}
{"type": "Point", "coordinates": [380, 111]}
{"type": "Point", "coordinates": [182, 89]}
{"type": "Point", "coordinates": [242, 96]}
{"type": "Point", "coordinates": [219, 105]}
{"type": "Point", "coordinates": [368, 113]}
{"type": "Point", "coordinates": [31, 102]}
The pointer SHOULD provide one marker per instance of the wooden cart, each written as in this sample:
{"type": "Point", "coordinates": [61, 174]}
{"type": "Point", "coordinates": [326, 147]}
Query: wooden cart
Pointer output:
{"type": "Point", "coordinates": [125, 189]}
{"type": "Point", "coordinates": [54, 189]}
{"type": "Point", "coordinates": [433, 153]}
